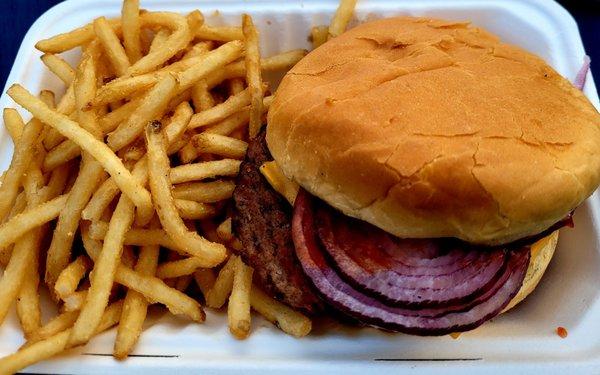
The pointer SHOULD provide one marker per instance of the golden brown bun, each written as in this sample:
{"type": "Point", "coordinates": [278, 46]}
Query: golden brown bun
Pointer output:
{"type": "Point", "coordinates": [429, 128]}
{"type": "Point", "coordinates": [541, 254]}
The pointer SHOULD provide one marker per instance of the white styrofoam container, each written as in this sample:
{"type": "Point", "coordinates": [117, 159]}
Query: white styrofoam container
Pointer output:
{"type": "Point", "coordinates": [521, 341]}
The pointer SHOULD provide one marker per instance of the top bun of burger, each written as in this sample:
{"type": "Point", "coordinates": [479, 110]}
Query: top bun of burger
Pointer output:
{"type": "Point", "coordinates": [431, 128]}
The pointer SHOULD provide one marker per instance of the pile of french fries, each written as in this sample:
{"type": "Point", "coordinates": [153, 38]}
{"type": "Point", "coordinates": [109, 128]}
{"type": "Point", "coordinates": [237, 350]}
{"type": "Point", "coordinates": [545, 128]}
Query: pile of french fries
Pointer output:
{"type": "Point", "coordinates": [117, 191]}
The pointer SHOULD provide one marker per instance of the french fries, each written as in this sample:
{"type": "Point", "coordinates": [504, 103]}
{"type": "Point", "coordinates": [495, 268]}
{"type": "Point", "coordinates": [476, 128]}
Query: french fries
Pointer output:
{"type": "Point", "coordinates": [238, 310]}
{"type": "Point", "coordinates": [341, 18]}
{"type": "Point", "coordinates": [144, 144]}
{"type": "Point", "coordinates": [160, 185]}
{"type": "Point", "coordinates": [253, 74]}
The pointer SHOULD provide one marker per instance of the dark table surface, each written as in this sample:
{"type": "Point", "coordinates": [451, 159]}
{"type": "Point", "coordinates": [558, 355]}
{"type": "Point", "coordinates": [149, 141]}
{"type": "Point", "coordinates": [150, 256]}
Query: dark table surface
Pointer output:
{"type": "Point", "coordinates": [16, 16]}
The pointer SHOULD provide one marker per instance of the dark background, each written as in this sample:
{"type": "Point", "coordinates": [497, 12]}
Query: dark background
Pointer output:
{"type": "Point", "coordinates": [16, 16]}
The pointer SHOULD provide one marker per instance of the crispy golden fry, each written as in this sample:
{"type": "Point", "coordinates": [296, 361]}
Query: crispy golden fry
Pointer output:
{"type": "Point", "coordinates": [75, 300]}
{"type": "Point", "coordinates": [191, 210]}
{"type": "Point", "coordinates": [123, 87]}
{"type": "Point", "coordinates": [289, 320]}
{"type": "Point", "coordinates": [219, 145]}
{"type": "Point", "coordinates": [218, 293]}
{"type": "Point", "coordinates": [51, 346]}
{"type": "Point", "coordinates": [201, 96]}
{"type": "Point", "coordinates": [58, 324]}
{"type": "Point", "coordinates": [103, 275]}
{"type": "Point", "coordinates": [179, 38]}
{"type": "Point", "coordinates": [111, 163]}
{"type": "Point", "coordinates": [151, 108]}
{"type": "Point", "coordinates": [204, 192]}
{"type": "Point", "coordinates": [19, 164]}
{"type": "Point", "coordinates": [208, 169]}
{"type": "Point", "coordinates": [238, 310]}
{"type": "Point", "coordinates": [17, 208]}
{"type": "Point", "coordinates": [59, 67]}
{"type": "Point", "coordinates": [253, 74]}
{"type": "Point", "coordinates": [319, 35]}
{"type": "Point", "coordinates": [341, 18]}
{"type": "Point", "coordinates": [156, 290]}
{"type": "Point", "coordinates": [160, 185]}
{"type": "Point", "coordinates": [135, 305]}
{"type": "Point", "coordinates": [159, 40]}
{"type": "Point", "coordinates": [130, 18]}
{"type": "Point", "coordinates": [71, 276]}
{"type": "Point", "coordinates": [29, 219]}
{"type": "Point", "coordinates": [137, 237]}
{"type": "Point", "coordinates": [112, 46]}
{"type": "Point", "coordinates": [178, 268]}
{"type": "Point", "coordinates": [220, 112]}
{"type": "Point", "coordinates": [283, 185]}
{"type": "Point", "coordinates": [13, 123]}
{"type": "Point", "coordinates": [224, 230]}
{"type": "Point", "coordinates": [29, 311]}
{"type": "Point", "coordinates": [205, 279]}
{"type": "Point", "coordinates": [219, 33]}
{"type": "Point", "coordinates": [211, 61]}
{"type": "Point", "coordinates": [198, 49]}
{"type": "Point", "coordinates": [75, 38]}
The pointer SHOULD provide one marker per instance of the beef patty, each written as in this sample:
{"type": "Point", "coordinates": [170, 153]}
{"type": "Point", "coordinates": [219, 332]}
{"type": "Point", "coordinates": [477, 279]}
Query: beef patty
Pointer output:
{"type": "Point", "coordinates": [262, 221]}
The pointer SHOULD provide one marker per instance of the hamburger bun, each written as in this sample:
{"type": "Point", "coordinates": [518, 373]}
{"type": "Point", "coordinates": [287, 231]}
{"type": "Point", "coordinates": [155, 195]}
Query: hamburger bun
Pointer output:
{"type": "Point", "coordinates": [431, 128]}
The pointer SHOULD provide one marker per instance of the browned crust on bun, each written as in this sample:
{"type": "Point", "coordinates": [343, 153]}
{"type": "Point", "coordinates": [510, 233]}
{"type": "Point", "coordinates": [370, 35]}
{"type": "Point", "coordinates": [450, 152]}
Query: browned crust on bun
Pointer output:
{"type": "Point", "coordinates": [431, 128]}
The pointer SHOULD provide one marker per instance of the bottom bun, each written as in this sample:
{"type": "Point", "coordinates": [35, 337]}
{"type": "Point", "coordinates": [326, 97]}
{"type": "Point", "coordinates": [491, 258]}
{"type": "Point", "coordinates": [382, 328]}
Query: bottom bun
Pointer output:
{"type": "Point", "coordinates": [541, 254]}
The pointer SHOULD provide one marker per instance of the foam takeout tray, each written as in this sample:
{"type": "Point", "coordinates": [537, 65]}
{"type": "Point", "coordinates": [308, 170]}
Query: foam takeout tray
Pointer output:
{"type": "Point", "coordinates": [523, 340]}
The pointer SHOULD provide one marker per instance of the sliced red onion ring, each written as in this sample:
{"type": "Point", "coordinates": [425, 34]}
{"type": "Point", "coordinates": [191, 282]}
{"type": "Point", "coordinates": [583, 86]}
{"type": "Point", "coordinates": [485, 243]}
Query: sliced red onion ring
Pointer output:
{"type": "Point", "coordinates": [355, 249]}
{"type": "Point", "coordinates": [438, 321]}
{"type": "Point", "coordinates": [581, 76]}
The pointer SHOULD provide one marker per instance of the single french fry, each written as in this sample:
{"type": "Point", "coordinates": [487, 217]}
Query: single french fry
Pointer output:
{"type": "Point", "coordinates": [217, 295]}
{"type": "Point", "coordinates": [135, 305]}
{"type": "Point", "coordinates": [160, 185]}
{"type": "Point", "coordinates": [151, 108]}
{"type": "Point", "coordinates": [29, 219]}
{"type": "Point", "coordinates": [211, 61]}
{"type": "Point", "coordinates": [100, 151]}
{"type": "Point", "coordinates": [179, 38]}
{"type": "Point", "coordinates": [201, 96]}
{"type": "Point", "coordinates": [74, 38]}
{"type": "Point", "coordinates": [253, 74]}
{"type": "Point", "coordinates": [286, 318]}
{"type": "Point", "coordinates": [130, 18]}
{"type": "Point", "coordinates": [220, 112]}
{"type": "Point", "coordinates": [204, 192]}
{"type": "Point", "coordinates": [17, 208]}
{"type": "Point", "coordinates": [58, 324]}
{"type": "Point", "coordinates": [198, 49]}
{"type": "Point", "coordinates": [14, 123]}
{"type": "Point", "coordinates": [341, 17]}
{"type": "Point", "coordinates": [29, 311]}
{"type": "Point", "coordinates": [103, 275]}
{"type": "Point", "coordinates": [319, 35]}
{"type": "Point", "coordinates": [238, 310]}
{"type": "Point", "coordinates": [22, 157]}
{"type": "Point", "coordinates": [56, 344]}
{"type": "Point", "coordinates": [112, 46]}
{"type": "Point", "coordinates": [205, 279]}
{"type": "Point", "coordinates": [159, 40]}
{"type": "Point", "coordinates": [224, 230]}
{"type": "Point", "coordinates": [191, 210]}
{"type": "Point", "coordinates": [219, 145]}
{"type": "Point", "coordinates": [219, 33]}
{"type": "Point", "coordinates": [137, 237]}
{"type": "Point", "coordinates": [208, 169]}
{"type": "Point", "coordinates": [75, 300]}
{"type": "Point", "coordinates": [59, 67]}
{"type": "Point", "coordinates": [123, 87]}
{"type": "Point", "coordinates": [178, 268]}
{"type": "Point", "coordinates": [71, 276]}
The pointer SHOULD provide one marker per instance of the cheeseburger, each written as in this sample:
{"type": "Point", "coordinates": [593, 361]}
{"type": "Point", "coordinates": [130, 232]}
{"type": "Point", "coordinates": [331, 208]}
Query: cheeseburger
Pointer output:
{"type": "Point", "coordinates": [430, 166]}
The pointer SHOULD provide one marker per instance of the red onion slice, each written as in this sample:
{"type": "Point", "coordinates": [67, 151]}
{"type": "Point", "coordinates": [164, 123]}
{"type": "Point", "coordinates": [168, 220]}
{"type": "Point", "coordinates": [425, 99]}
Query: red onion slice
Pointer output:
{"type": "Point", "coordinates": [581, 76]}
{"type": "Point", "coordinates": [439, 321]}
{"type": "Point", "coordinates": [355, 248]}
